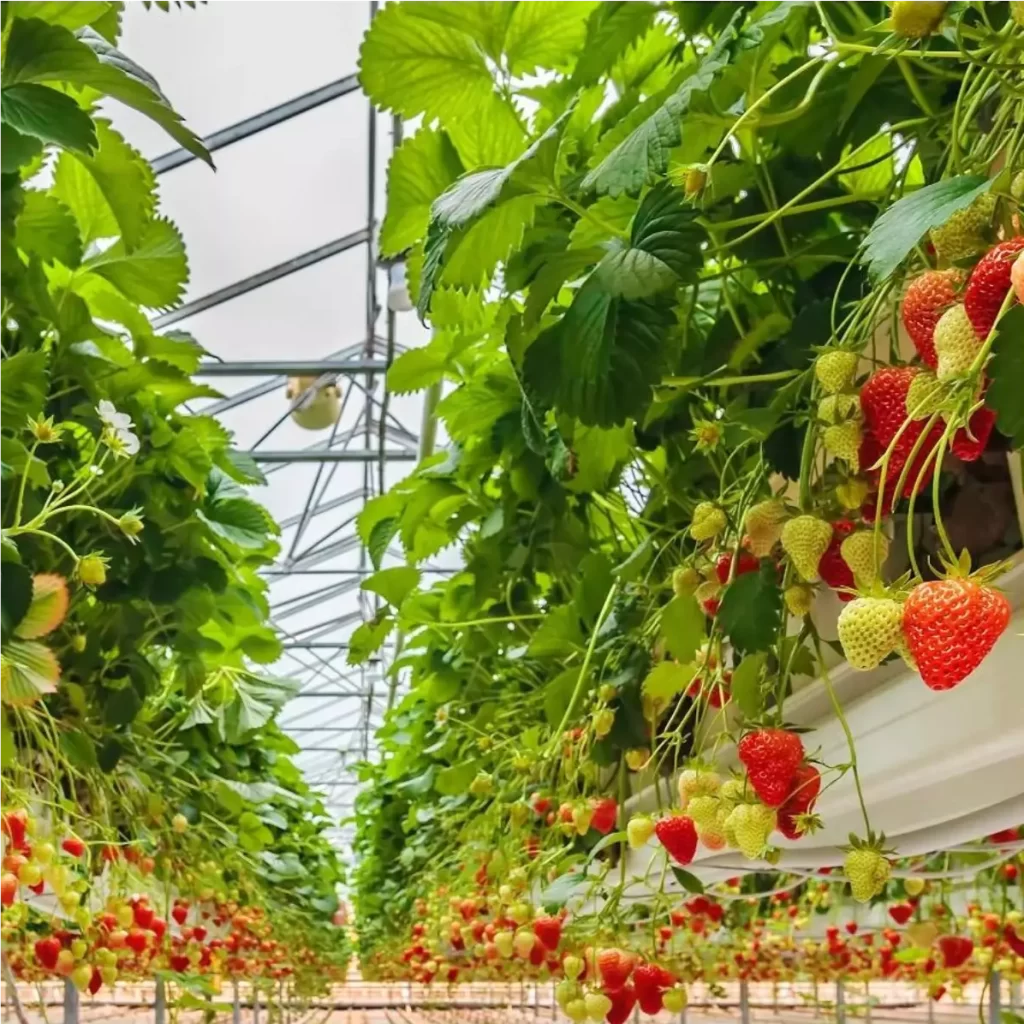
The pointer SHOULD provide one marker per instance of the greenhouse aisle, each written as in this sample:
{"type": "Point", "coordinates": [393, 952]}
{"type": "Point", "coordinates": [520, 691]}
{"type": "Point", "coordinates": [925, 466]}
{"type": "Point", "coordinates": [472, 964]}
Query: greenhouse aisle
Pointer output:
{"type": "Point", "coordinates": [512, 512]}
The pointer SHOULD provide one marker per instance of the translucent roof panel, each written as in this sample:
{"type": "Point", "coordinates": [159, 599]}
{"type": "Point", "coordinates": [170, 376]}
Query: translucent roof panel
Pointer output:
{"type": "Point", "coordinates": [222, 62]}
{"type": "Point", "coordinates": [284, 282]}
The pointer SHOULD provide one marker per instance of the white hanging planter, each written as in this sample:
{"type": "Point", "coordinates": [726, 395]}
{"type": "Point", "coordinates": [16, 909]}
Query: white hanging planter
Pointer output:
{"type": "Point", "coordinates": [937, 768]}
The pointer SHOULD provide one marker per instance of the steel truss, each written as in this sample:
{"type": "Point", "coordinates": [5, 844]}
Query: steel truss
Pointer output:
{"type": "Point", "coordinates": [315, 654]}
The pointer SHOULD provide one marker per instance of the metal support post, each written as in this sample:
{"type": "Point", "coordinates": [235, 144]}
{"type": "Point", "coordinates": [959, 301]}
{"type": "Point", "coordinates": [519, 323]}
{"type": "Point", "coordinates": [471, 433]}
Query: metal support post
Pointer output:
{"type": "Point", "coordinates": [840, 1002]}
{"type": "Point", "coordinates": [867, 1002]}
{"type": "Point", "coordinates": [255, 1005]}
{"type": "Point", "coordinates": [931, 1008]}
{"type": "Point", "coordinates": [160, 1002]}
{"type": "Point", "coordinates": [236, 1005]}
{"type": "Point", "coordinates": [995, 998]}
{"type": "Point", "coordinates": [744, 1002]}
{"type": "Point", "coordinates": [71, 1002]}
{"type": "Point", "coordinates": [1015, 995]}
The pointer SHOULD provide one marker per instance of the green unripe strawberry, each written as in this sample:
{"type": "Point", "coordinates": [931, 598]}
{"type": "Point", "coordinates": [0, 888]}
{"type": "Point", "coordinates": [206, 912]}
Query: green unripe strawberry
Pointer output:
{"type": "Point", "coordinates": [956, 344]}
{"type": "Point", "coordinates": [839, 408]}
{"type": "Point", "coordinates": [915, 19]}
{"type": "Point", "coordinates": [836, 370]}
{"type": "Point", "coordinates": [695, 782]}
{"type": "Point", "coordinates": [731, 793]}
{"type": "Point", "coordinates": [852, 493]}
{"type": "Point", "coordinates": [751, 825]}
{"type": "Point", "coordinates": [674, 1000]}
{"type": "Point", "coordinates": [925, 394]}
{"type": "Point", "coordinates": [805, 539]}
{"type": "Point", "coordinates": [842, 440]}
{"type": "Point", "coordinates": [798, 598]}
{"type": "Point", "coordinates": [869, 630]}
{"type": "Point", "coordinates": [708, 521]}
{"type": "Point", "coordinates": [685, 580]}
{"type": "Point", "coordinates": [858, 552]}
{"type": "Point", "coordinates": [763, 526]}
{"type": "Point", "coordinates": [963, 235]}
{"type": "Point", "coordinates": [868, 871]}
{"type": "Point", "coordinates": [639, 829]}
{"type": "Point", "coordinates": [703, 810]}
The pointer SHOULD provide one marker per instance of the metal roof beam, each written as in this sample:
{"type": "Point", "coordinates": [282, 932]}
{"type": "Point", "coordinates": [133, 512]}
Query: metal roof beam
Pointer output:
{"type": "Point", "coordinates": [251, 126]}
{"type": "Point", "coordinates": [332, 455]}
{"type": "Point", "coordinates": [288, 368]}
{"type": "Point", "coordinates": [271, 274]}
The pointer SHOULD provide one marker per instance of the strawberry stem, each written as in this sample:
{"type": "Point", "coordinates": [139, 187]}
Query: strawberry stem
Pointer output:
{"type": "Point", "coordinates": [838, 709]}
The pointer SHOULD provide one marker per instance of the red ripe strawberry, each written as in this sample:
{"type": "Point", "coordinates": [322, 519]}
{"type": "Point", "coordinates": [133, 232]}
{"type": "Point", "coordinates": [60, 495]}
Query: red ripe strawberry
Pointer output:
{"type": "Point", "coordinates": [651, 979]}
{"type": "Point", "coordinates": [137, 940]}
{"type": "Point", "coordinates": [883, 399]}
{"type": "Point", "coordinates": [956, 950]}
{"type": "Point", "coordinates": [73, 845]}
{"type": "Point", "coordinates": [548, 931]}
{"type": "Point", "coordinates": [8, 888]}
{"type": "Point", "coordinates": [606, 811]}
{"type": "Point", "coordinates": [1007, 835]}
{"type": "Point", "coordinates": [14, 825]}
{"type": "Point", "coordinates": [95, 982]}
{"type": "Point", "coordinates": [968, 444]}
{"type": "Point", "coordinates": [623, 1000]}
{"type": "Point", "coordinates": [832, 567]}
{"type": "Point", "coordinates": [650, 1002]}
{"type": "Point", "coordinates": [47, 951]}
{"type": "Point", "coordinates": [179, 913]}
{"type": "Point", "coordinates": [927, 298]}
{"type": "Point", "coordinates": [179, 963]}
{"type": "Point", "coordinates": [950, 626]}
{"type": "Point", "coordinates": [158, 926]}
{"type": "Point", "coordinates": [615, 967]}
{"type": "Point", "coordinates": [771, 757]}
{"type": "Point", "coordinates": [901, 912]}
{"type": "Point", "coordinates": [678, 835]}
{"type": "Point", "coordinates": [540, 804]}
{"type": "Point", "coordinates": [802, 795]}
{"type": "Point", "coordinates": [746, 563]}
{"type": "Point", "coordinates": [143, 914]}
{"type": "Point", "coordinates": [1015, 941]}
{"type": "Point", "coordinates": [988, 284]}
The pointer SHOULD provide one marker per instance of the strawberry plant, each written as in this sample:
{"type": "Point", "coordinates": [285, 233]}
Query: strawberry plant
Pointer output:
{"type": "Point", "coordinates": [698, 284]}
{"type": "Point", "coordinates": [154, 822]}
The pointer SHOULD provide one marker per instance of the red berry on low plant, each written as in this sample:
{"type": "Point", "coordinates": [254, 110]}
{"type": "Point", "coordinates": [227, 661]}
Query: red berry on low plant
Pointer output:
{"type": "Point", "coordinates": [832, 567]}
{"type": "Point", "coordinates": [614, 967]}
{"type": "Point", "coordinates": [548, 931]}
{"type": "Point", "coordinates": [745, 563]}
{"type": "Point", "coordinates": [969, 442]}
{"type": "Point", "coordinates": [803, 793]}
{"type": "Point", "coordinates": [928, 297]}
{"type": "Point", "coordinates": [606, 812]}
{"type": "Point", "coordinates": [678, 834]}
{"type": "Point", "coordinates": [988, 284]}
{"type": "Point", "coordinates": [950, 626]}
{"type": "Point", "coordinates": [771, 757]}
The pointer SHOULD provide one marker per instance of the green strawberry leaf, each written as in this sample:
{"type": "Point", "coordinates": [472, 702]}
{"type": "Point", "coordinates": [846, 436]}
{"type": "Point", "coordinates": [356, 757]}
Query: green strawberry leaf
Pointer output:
{"type": "Point", "coordinates": [1006, 370]}
{"type": "Point", "coordinates": [751, 609]}
{"type": "Point", "coordinates": [746, 685]}
{"type": "Point", "coordinates": [689, 881]}
{"type": "Point", "coordinates": [900, 228]}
